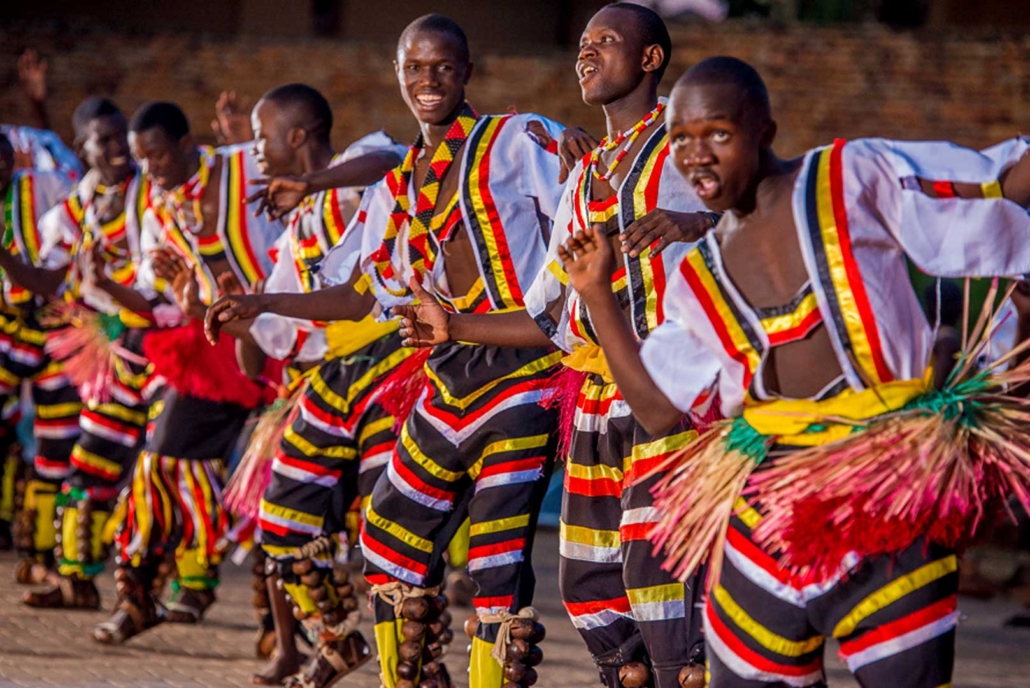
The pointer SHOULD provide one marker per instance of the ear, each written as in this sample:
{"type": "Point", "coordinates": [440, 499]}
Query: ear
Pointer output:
{"type": "Point", "coordinates": [186, 143]}
{"type": "Point", "coordinates": [397, 70]}
{"type": "Point", "coordinates": [468, 73]}
{"type": "Point", "coordinates": [653, 58]}
{"type": "Point", "coordinates": [297, 137]}
{"type": "Point", "coordinates": [768, 135]}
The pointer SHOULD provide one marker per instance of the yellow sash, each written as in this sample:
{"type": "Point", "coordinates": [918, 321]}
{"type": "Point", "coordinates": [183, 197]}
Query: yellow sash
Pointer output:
{"type": "Point", "coordinates": [344, 337]}
{"type": "Point", "coordinates": [589, 358]}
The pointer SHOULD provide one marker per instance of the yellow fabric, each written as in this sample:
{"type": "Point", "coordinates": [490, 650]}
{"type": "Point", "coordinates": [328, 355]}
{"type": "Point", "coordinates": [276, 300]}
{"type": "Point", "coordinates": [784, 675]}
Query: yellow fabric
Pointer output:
{"type": "Point", "coordinates": [484, 671]}
{"type": "Point", "coordinates": [192, 567]}
{"type": "Point", "coordinates": [43, 499]}
{"type": "Point", "coordinates": [508, 445]}
{"type": "Point", "coordinates": [70, 544]}
{"type": "Point", "coordinates": [388, 638]}
{"type": "Point", "coordinates": [344, 337]}
{"type": "Point", "coordinates": [762, 635]}
{"type": "Point", "coordinates": [581, 535]}
{"type": "Point", "coordinates": [746, 513]}
{"type": "Point", "coordinates": [669, 592]}
{"type": "Point", "coordinates": [7, 488]}
{"type": "Point", "coordinates": [132, 320]}
{"type": "Point", "coordinates": [788, 419]}
{"type": "Point", "coordinates": [894, 591]}
{"type": "Point", "coordinates": [500, 525]}
{"type": "Point", "coordinates": [992, 189]}
{"type": "Point", "coordinates": [121, 510]}
{"type": "Point", "coordinates": [458, 550]}
{"type": "Point", "coordinates": [589, 358]}
{"type": "Point", "coordinates": [302, 597]}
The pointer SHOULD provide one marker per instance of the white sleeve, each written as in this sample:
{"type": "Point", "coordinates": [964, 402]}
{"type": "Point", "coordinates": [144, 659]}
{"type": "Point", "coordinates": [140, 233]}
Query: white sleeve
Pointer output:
{"type": "Point", "coordinates": [679, 363]}
{"type": "Point", "coordinates": [276, 335]}
{"type": "Point", "coordinates": [946, 237]}
{"type": "Point", "coordinates": [551, 283]}
{"type": "Point", "coordinates": [58, 234]}
{"type": "Point", "coordinates": [541, 165]}
{"type": "Point", "coordinates": [147, 282]}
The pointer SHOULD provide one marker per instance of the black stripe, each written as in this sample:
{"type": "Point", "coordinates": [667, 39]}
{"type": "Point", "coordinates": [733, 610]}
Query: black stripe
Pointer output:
{"type": "Point", "coordinates": [786, 309]}
{"type": "Point", "coordinates": [745, 326]}
{"type": "Point", "coordinates": [474, 228]}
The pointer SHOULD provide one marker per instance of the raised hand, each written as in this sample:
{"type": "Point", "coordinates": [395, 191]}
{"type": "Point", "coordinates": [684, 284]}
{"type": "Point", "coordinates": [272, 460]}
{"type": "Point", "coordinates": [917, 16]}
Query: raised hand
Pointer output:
{"type": "Point", "coordinates": [278, 196]}
{"type": "Point", "coordinates": [665, 227]}
{"type": "Point", "coordinates": [32, 74]}
{"type": "Point", "coordinates": [229, 308]}
{"type": "Point", "coordinates": [573, 144]}
{"type": "Point", "coordinates": [426, 324]}
{"type": "Point", "coordinates": [589, 261]}
{"type": "Point", "coordinates": [232, 121]}
{"type": "Point", "coordinates": [228, 284]}
{"type": "Point", "coordinates": [174, 269]}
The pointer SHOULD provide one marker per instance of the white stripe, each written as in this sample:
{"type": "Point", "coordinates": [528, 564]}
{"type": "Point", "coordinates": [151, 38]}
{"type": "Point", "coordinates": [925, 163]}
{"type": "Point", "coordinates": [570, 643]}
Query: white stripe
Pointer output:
{"type": "Point", "coordinates": [384, 564]}
{"type": "Point", "coordinates": [295, 526]}
{"type": "Point", "coordinates": [53, 473]}
{"type": "Point", "coordinates": [124, 396]}
{"type": "Point", "coordinates": [762, 578]}
{"type": "Point", "coordinates": [413, 493]}
{"type": "Point", "coordinates": [59, 432]}
{"type": "Point", "coordinates": [374, 461]}
{"type": "Point", "coordinates": [512, 478]}
{"type": "Point", "coordinates": [659, 611]}
{"type": "Point", "coordinates": [490, 610]}
{"type": "Point", "coordinates": [52, 383]}
{"type": "Point", "coordinates": [495, 560]}
{"type": "Point", "coordinates": [743, 669]}
{"type": "Point", "coordinates": [456, 437]}
{"type": "Point", "coordinates": [598, 422]}
{"type": "Point", "coordinates": [302, 476]}
{"type": "Point", "coordinates": [586, 622]}
{"type": "Point", "coordinates": [28, 358]}
{"type": "Point", "coordinates": [889, 648]}
{"type": "Point", "coordinates": [98, 430]}
{"type": "Point", "coordinates": [581, 552]}
{"type": "Point", "coordinates": [644, 514]}
{"type": "Point", "coordinates": [334, 430]}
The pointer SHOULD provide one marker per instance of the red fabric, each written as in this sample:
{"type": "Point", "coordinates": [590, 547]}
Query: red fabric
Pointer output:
{"type": "Point", "coordinates": [187, 361]}
{"type": "Point", "coordinates": [401, 389]}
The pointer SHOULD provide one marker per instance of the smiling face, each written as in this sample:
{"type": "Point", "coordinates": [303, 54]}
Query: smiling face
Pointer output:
{"type": "Point", "coordinates": [613, 57]}
{"type": "Point", "coordinates": [106, 148]}
{"type": "Point", "coordinates": [275, 155]}
{"type": "Point", "coordinates": [432, 69]}
{"type": "Point", "coordinates": [164, 160]}
{"type": "Point", "coordinates": [717, 141]}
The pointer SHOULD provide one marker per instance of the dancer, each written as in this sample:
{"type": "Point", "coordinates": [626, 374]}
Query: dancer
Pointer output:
{"type": "Point", "coordinates": [467, 212]}
{"type": "Point", "coordinates": [785, 310]}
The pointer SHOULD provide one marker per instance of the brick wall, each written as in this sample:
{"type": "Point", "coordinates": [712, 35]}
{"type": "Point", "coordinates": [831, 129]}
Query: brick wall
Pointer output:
{"type": "Point", "coordinates": [825, 82]}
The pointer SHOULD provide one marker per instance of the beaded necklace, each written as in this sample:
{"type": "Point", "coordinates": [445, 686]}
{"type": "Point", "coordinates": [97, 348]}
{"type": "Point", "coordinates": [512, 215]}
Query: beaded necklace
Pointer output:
{"type": "Point", "coordinates": [629, 136]}
{"type": "Point", "coordinates": [192, 192]}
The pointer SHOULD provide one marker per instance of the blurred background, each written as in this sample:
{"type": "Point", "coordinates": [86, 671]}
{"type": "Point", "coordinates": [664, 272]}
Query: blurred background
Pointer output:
{"type": "Point", "coordinates": [955, 69]}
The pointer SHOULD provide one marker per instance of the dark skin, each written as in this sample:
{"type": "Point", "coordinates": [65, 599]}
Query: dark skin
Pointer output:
{"type": "Point", "coordinates": [104, 147]}
{"type": "Point", "coordinates": [432, 71]}
{"type": "Point", "coordinates": [617, 71]}
{"type": "Point", "coordinates": [723, 145]}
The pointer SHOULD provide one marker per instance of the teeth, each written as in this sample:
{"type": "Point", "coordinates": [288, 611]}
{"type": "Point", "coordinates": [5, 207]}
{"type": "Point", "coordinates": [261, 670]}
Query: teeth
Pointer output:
{"type": "Point", "coordinates": [119, 160]}
{"type": "Point", "coordinates": [428, 100]}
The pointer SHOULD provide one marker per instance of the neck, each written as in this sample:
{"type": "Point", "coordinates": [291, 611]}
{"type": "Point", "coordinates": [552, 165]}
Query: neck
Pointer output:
{"type": "Point", "coordinates": [111, 179]}
{"type": "Point", "coordinates": [316, 158]}
{"type": "Point", "coordinates": [192, 165]}
{"type": "Point", "coordinates": [770, 170]}
{"type": "Point", "coordinates": [623, 113]}
{"type": "Point", "coordinates": [434, 134]}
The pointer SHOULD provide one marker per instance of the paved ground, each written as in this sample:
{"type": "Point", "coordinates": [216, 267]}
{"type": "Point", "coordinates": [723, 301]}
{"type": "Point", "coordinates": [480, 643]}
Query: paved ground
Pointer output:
{"type": "Point", "coordinates": [41, 649]}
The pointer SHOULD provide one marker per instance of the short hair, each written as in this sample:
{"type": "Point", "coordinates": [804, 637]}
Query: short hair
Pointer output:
{"type": "Point", "coordinates": [160, 115]}
{"type": "Point", "coordinates": [310, 106]}
{"type": "Point", "coordinates": [731, 71]}
{"type": "Point", "coordinates": [653, 30]}
{"type": "Point", "coordinates": [438, 23]}
{"type": "Point", "coordinates": [951, 302]}
{"type": "Point", "coordinates": [91, 109]}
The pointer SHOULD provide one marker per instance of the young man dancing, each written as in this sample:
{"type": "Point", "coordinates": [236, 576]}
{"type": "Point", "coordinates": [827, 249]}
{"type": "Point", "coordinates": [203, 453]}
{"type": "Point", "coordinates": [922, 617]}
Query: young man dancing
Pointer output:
{"type": "Point", "coordinates": [798, 310]}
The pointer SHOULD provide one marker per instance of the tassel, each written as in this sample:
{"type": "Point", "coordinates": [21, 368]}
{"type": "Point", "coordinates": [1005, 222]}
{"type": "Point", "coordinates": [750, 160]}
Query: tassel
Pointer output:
{"type": "Point", "coordinates": [564, 388]}
{"type": "Point", "coordinates": [401, 389]}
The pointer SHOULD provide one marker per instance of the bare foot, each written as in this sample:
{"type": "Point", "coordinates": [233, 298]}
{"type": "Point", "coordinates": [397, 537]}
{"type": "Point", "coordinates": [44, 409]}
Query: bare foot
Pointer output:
{"type": "Point", "coordinates": [277, 670]}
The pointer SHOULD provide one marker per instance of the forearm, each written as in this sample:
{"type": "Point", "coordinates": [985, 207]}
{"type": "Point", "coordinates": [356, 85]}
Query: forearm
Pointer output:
{"type": "Point", "coordinates": [649, 404]}
{"type": "Point", "coordinates": [250, 358]}
{"type": "Point", "coordinates": [37, 280]}
{"type": "Point", "coordinates": [328, 305]}
{"type": "Point", "coordinates": [127, 296]}
{"type": "Point", "coordinates": [362, 171]}
{"type": "Point", "coordinates": [515, 329]}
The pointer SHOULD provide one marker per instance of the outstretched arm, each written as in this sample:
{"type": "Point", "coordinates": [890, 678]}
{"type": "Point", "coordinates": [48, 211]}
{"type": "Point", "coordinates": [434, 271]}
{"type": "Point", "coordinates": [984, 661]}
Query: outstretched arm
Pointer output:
{"type": "Point", "coordinates": [42, 281]}
{"type": "Point", "coordinates": [32, 73]}
{"type": "Point", "coordinates": [428, 324]}
{"type": "Point", "coordinates": [589, 262]}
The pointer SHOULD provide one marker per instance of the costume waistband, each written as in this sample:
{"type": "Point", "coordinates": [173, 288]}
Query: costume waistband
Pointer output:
{"type": "Point", "coordinates": [346, 337]}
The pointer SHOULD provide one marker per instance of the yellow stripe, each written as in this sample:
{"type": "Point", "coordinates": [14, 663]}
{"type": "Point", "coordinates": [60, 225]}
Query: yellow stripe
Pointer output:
{"type": "Point", "coordinates": [556, 269]}
{"type": "Point", "coordinates": [894, 591]}
{"type": "Point", "coordinates": [332, 231]}
{"type": "Point", "coordinates": [486, 227]}
{"type": "Point", "coordinates": [508, 445]}
{"type": "Point", "coordinates": [838, 270]}
{"type": "Point", "coordinates": [309, 449]}
{"type": "Point", "coordinates": [639, 197]}
{"type": "Point", "coordinates": [670, 592]}
{"type": "Point", "coordinates": [361, 384]}
{"type": "Point", "coordinates": [599, 472]}
{"type": "Point", "coordinates": [432, 467]}
{"type": "Point", "coordinates": [90, 459]}
{"type": "Point", "coordinates": [746, 513]}
{"type": "Point", "coordinates": [711, 287]}
{"type": "Point", "coordinates": [602, 216]}
{"type": "Point", "coordinates": [28, 218]}
{"type": "Point", "coordinates": [8, 378]}
{"type": "Point", "coordinates": [234, 227]}
{"type": "Point", "coordinates": [991, 189]}
{"type": "Point", "coordinates": [66, 410]}
{"type": "Point", "coordinates": [782, 323]}
{"type": "Point", "coordinates": [659, 447]}
{"type": "Point", "coordinates": [500, 525]}
{"type": "Point", "coordinates": [374, 428]}
{"type": "Point", "coordinates": [531, 368]}
{"type": "Point", "coordinates": [465, 302]}
{"type": "Point", "coordinates": [200, 532]}
{"type": "Point", "coordinates": [399, 532]}
{"type": "Point", "coordinates": [120, 412]}
{"type": "Point", "coordinates": [293, 515]}
{"type": "Point", "coordinates": [588, 536]}
{"type": "Point", "coordinates": [761, 634]}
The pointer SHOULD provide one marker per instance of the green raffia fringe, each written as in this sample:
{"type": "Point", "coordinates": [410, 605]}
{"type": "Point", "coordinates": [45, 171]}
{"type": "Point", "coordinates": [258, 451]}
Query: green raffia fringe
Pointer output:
{"type": "Point", "coordinates": [112, 326]}
{"type": "Point", "coordinates": [71, 495]}
{"type": "Point", "coordinates": [193, 583]}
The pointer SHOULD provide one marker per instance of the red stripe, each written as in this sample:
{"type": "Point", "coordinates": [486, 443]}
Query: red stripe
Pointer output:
{"type": "Point", "coordinates": [642, 467]}
{"type": "Point", "coordinates": [502, 601]}
{"type": "Point", "coordinates": [458, 423]}
{"type": "Point", "coordinates": [600, 487]}
{"type": "Point", "coordinates": [341, 224]}
{"type": "Point", "coordinates": [799, 331]}
{"type": "Point", "coordinates": [756, 660]}
{"type": "Point", "coordinates": [392, 556]}
{"type": "Point", "coordinates": [840, 214]}
{"type": "Point", "coordinates": [307, 466]}
{"type": "Point", "coordinates": [635, 531]}
{"type": "Point", "coordinates": [552, 147]}
{"type": "Point", "coordinates": [906, 624]}
{"type": "Point", "coordinates": [203, 507]}
{"type": "Point", "coordinates": [658, 283]}
{"type": "Point", "coordinates": [705, 299]}
{"type": "Point", "coordinates": [616, 604]}
{"type": "Point", "coordinates": [377, 449]}
{"type": "Point", "coordinates": [944, 190]}
{"type": "Point", "coordinates": [110, 423]}
{"type": "Point", "coordinates": [419, 485]}
{"type": "Point", "coordinates": [654, 182]}
{"type": "Point", "coordinates": [757, 556]}
{"type": "Point", "coordinates": [505, 547]}
{"type": "Point", "coordinates": [516, 466]}
{"type": "Point", "coordinates": [503, 252]}
{"type": "Point", "coordinates": [270, 527]}
{"type": "Point", "coordinates": [243, 216]}
{"type": "Point", "coordinates": [94, 470]}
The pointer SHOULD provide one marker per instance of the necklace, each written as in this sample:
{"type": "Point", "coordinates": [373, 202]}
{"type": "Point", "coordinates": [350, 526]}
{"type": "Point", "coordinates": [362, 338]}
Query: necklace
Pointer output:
{"type": "Point", "coordinates": [629, 137]}
{"type": "Point", "coordinates": [192, 192]}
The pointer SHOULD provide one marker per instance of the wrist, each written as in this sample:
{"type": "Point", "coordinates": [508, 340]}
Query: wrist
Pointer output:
{"type": "Point", "coordinates": [596, 293]}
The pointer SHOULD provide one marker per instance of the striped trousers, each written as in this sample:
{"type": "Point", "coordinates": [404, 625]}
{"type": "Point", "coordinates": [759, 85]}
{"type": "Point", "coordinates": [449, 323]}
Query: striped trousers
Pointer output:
{"type": "Point", "coordinates": [477, 445]}
{"type": "Point", "coordinates": [894, 617]}
{"type": "Point", "coordinates": [333, 452]}
{"type": "Point", "coordinates": [624, 605]}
